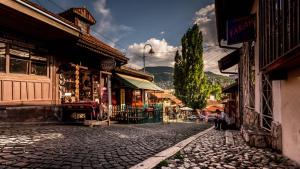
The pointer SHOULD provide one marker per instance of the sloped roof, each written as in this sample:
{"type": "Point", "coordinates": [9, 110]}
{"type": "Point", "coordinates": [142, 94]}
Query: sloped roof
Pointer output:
{"type": "Point", "coordinates": [85, 40]}
{"type": "Point", "coordinates": [82, 13]}
{"type": "Point", "coordinates": [101, 47]}
{"type": "Point", "coordinates": [166, 95]}
{"type": "Point", "coordinates": [50, 13]}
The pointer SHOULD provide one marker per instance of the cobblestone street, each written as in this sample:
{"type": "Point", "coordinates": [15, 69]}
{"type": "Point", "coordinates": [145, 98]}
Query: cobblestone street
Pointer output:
{"type": "Point", "coordinates": [211, 151]}
{"type": "Point", "coordinates": [63, 146]}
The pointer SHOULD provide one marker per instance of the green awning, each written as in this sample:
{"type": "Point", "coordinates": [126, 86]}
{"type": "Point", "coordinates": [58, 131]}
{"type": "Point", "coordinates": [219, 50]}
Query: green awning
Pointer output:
{"type": "Point", "coordinates": [137, 83]}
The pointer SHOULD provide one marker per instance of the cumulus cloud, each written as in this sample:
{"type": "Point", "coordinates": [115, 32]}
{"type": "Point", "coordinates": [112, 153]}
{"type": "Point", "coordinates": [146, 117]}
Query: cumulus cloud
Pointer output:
{"type": "Point", "coordinates": [211, 56]}
{"type": "Point", "coordinates": [106, 28]}
{"type": "Point", "coordinates": [163, 56]}
{"type": "Point", "coordinates": [205, 18]}
{"type": "Point", "coordinates": [165, 53]}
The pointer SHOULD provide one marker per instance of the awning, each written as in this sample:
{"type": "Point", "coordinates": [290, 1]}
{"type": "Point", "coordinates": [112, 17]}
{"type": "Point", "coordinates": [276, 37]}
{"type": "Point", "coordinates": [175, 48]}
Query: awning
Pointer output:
{"type": "Point", "coordinates": [137, 83]}
{"type": "Point", "coordinates": [186, 109]}
{"type": "Point", "coordinates": [229, 60]}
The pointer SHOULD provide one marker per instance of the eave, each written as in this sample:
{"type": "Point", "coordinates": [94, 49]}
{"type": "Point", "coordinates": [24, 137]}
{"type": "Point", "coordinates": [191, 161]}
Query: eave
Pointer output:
{"type": "Point", "coordinates": [230, 9]}
{"type": "Point", "coordinates": [41, 14]}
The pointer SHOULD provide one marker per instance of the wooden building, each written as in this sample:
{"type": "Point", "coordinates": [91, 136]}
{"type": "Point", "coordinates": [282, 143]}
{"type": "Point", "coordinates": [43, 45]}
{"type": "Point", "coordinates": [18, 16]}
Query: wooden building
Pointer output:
{"type": "Point", "coordinates": [269, 62]}
{"type": "Point", "coordinates": [49, 61]}
{"type": "Point", "coordinates": [132, 101]}
{"type": "Point", "coordinates": [133, 87]}
{"type": "Point", "coordinates": [231, 104]}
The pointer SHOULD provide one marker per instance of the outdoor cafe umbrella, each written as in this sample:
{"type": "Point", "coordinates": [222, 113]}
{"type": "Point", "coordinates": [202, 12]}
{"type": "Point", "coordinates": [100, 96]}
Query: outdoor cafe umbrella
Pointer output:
{"type": "Point", "coordinates": [186, 109]}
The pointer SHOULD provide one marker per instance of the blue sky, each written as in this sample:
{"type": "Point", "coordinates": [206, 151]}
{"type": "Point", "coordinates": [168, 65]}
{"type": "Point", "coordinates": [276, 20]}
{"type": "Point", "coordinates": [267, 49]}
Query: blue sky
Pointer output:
{"type": "Point", "coordinates": [129, 24]}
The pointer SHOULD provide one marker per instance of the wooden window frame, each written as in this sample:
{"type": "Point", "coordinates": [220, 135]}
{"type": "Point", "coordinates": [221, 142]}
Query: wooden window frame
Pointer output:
{"type": "Point", "coordinates": [28, 73]}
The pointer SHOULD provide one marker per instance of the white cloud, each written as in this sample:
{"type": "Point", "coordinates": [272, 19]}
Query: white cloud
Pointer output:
{"type": "Point", "coordinates": [109, 31]}
{"type": "Point", "coordinates": [162, 32]}
{"type": "Point", "coordinates": [163, 56]}
{"type": "Point", "coordinates": [133, 66]}
{"type": "Point", "coordinates": [212, 55]}
{"type": "Point", "coordinates": [205, 18]}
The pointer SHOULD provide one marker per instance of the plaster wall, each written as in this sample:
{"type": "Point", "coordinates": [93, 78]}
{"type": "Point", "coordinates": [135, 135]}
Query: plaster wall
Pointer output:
{"type": "Point", "coordinates": [290, 99]}
{"type": "Point", "coordinates": [276, 101]}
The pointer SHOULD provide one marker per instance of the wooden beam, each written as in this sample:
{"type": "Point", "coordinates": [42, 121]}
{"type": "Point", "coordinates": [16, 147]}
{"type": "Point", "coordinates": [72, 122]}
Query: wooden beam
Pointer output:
{"type": "Point", "coordinates": [41, 15]}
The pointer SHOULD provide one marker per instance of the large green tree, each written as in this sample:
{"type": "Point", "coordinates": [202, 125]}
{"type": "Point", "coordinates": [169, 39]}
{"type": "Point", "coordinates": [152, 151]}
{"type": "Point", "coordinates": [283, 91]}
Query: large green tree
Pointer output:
{"type": "Point", "coordinates": [189, 78]}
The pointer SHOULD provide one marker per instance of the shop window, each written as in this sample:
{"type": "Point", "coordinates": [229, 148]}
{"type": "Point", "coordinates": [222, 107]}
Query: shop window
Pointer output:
{"type": "Point", "coordinates": [2, 57]}
{"type": "Point", "coordinates": [22, 62]}
{"type": "Point", "coordinates": [18, 65]}
{"type": "Point", "coordinates": [19, 61]}
{"type": "Point", "coordinates": [38, 65]}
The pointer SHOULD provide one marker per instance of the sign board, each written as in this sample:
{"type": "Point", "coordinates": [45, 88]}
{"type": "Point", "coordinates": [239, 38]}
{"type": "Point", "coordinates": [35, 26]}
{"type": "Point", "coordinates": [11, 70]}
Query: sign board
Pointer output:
{"type": "Point", "coordinates": [241, 29]}
{"type": "Point", "coordinates": [108, 64]}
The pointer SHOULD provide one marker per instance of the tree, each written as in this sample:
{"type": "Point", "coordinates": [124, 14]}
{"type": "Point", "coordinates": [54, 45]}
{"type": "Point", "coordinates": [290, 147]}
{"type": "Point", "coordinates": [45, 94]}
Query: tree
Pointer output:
{"type": "Point", "coordinates": [189, 79]}
{"type": "Point", "coordinates": [179, 76]}
{"type": "Point", "coordinates": [216, 90]}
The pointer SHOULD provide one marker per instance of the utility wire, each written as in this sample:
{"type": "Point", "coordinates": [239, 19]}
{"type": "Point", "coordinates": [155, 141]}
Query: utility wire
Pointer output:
{"type": "Point", "coordinates": [93, 30]}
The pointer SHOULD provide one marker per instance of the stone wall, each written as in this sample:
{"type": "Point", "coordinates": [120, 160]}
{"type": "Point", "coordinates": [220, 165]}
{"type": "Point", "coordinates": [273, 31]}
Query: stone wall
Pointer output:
{"type": "Point", "coordinates": [276, 136]}
{"type": "Point", "coordinates": [251, 118]}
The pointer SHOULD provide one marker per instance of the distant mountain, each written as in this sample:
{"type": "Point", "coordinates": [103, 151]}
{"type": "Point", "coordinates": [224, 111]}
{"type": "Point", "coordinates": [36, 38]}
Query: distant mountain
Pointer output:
{"type": "Point", "coordinates": [163, 77]}
{"type": "Point", "coordinates": [220, 79]}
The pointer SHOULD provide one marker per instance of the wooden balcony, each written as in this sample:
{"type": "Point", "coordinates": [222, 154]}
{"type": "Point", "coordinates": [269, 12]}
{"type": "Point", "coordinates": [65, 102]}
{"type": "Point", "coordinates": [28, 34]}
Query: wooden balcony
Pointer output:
{"type": "Point", "coordinates": [279, 34]}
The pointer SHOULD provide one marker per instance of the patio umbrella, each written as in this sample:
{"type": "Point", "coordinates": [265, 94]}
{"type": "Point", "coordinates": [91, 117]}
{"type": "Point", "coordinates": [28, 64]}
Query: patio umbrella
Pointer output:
{"type": "Point", "coordinates": [186, 109]}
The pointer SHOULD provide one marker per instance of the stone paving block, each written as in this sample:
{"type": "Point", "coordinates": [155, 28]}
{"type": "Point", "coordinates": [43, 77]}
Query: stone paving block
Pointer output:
{"type": "Point", "coordinates": [77, 146]}
{"type": "Point", "coordinates": [211, 151]}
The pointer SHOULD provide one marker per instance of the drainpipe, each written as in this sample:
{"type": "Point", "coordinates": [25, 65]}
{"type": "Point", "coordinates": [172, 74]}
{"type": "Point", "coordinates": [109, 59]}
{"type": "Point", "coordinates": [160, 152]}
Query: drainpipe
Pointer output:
{"type": "Point", "coordinates": [228, 47]}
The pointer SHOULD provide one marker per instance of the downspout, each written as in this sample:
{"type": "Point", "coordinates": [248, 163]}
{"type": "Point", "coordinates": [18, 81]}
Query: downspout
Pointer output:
{"type": "Point", "coordinates": [228, 47]}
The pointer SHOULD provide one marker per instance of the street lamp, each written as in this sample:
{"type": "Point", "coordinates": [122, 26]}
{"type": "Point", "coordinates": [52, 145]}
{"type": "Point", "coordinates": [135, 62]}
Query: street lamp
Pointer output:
{"type": "Point", "coordinates": [144, 57]}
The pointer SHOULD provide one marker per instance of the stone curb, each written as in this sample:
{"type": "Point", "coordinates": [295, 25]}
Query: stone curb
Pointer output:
{"type": "Point", "coordinates": [229, 138]}
{"type": "Point", "coordinates": [156, 159]}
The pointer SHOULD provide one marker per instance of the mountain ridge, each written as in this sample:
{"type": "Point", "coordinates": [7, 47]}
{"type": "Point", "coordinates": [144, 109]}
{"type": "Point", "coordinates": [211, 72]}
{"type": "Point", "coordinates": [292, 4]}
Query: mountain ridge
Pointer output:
{"type": "Point", "coordinates": [163, 77]}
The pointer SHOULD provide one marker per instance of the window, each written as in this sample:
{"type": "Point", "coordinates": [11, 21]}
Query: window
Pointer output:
{"type": "Point", "coordinates": [84, 26]}
{"type": "Point", "coordinates": [22, 61]}
{"type": "Point", "coordinates": [18, 65]}
{"type": "Point", "coordinates": [38, 65]}
{"type": "Point", "coordinates": [19, 60]}
{"type": "Point", "coordinates": [2, 57]}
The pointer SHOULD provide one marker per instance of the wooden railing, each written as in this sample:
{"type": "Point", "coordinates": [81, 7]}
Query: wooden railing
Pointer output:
{"type": "Point", "coordinates": [134, 114]}
{"type": "Point", "coordinates": [279, 29]}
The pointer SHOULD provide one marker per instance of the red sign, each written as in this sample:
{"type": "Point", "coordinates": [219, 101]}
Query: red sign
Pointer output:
{"type": "Point", "coordinates": [241, 29]}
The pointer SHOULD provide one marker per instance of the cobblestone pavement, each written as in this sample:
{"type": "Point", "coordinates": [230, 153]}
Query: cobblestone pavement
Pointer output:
{"type": "Point", "coordinates": [211, 151]}
{"type": "Point", "coordinates": [65, 146]}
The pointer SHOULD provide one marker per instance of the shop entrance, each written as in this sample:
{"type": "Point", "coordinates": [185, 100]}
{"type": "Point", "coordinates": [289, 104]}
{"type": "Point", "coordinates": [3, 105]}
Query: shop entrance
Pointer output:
{"type": "Point", "coordinates": [84, 93]}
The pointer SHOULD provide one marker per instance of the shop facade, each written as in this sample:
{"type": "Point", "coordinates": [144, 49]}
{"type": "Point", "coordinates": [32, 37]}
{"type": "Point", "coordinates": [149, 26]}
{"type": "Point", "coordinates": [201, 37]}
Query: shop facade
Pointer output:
{"type": "Point", "coordinates": [268, 64]}
{"type": "Point", "coordinates": [53, 65]}
{"type": "Point", "coordinates": [132, 101]}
